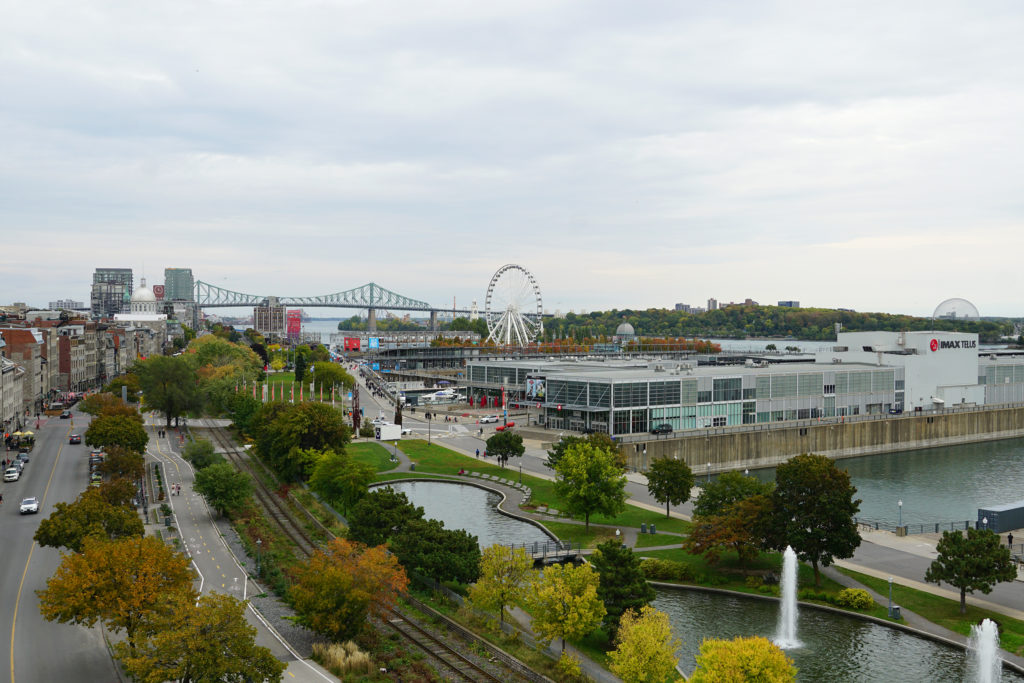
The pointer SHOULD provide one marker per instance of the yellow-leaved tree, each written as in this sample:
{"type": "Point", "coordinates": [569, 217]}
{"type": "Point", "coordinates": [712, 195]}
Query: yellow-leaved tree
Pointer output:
{"type": "Point", "coordinates": [564, 603]}
{"type": "Point", "coordinates": [646, 649]}
{"type": "Point", "coordinates": [743, 659]}
{"type": "Point", "coordinates": [505, 574]}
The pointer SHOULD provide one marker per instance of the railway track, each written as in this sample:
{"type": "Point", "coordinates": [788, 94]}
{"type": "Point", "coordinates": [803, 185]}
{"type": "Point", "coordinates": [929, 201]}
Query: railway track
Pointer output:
{"type": "Point", "coordinates": [437, 648]}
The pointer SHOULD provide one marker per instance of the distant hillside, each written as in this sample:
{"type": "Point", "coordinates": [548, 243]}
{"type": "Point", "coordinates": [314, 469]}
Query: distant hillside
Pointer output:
{"type": "Point", "coordinates": [740, 322]}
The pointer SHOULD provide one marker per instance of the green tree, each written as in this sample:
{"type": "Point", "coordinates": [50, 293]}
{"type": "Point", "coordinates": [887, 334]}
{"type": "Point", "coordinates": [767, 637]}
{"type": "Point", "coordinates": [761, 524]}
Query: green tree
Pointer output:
{"type": "Point", "coordinates": [743, 659]}
{"type": "Point", "coordinates": [381, 513]}
{"type": "Point", "coordinates": [169, 385]}
{"type": "Point", "coordinates": [597, 439]}
{"type": "Point", "coordinates": [224, 488]}
{"type": "Point", "coordinates": [742, 527]}
{"type": "Point", "coordinates": [622, 584]}
{"type": "Point", "coordinates": [425, 546]}
{"type": "Point", "coordinates": [646, 650]}
{"type": "Point", "coordinates": [281, 429]}
{"type": "Point", "coordinates": [340, 480]}
{"type": "Point", "coordinates": [564, 603]}
{"type": "Point", "coordinates": [131, 381]}
{"type": "Point", "coordinates": [670, 482]}
{"type": "Point", "coordinates": [327, 375]}
{"type": "Point", "coordinates": [505, 576]}
{"type": "Point", "coordinates": [558, 450]}
{"type": "Point", "coordinates": [590, 481]}
{"type": "Point", "coordinates": [814, 510]}
{"type": "Point", "coordinates": [119, 582]}
{"type": "Point", "coordinates": [201, 453]}
{"type": "Point", "coordinates": [117, 430]}
{"type": "Point", "coordinates": [121, 462]}
{"type": "Point", "coordinates": [91, 515]}
{"type": "Point", "coordinates": [300, 367]}
{"type": "Point", "coordinates": [243, 408]}
{"type": "Point", "coordinates": [727, 489]}
{"type": "Point", "coordinates": [175, 644]}
{"type": "Point", "coordinates": [504, 445]}
{"type": "Point", "coordinates": [103, 403]}
{"type": "Point", "coordinates": [977, 561]}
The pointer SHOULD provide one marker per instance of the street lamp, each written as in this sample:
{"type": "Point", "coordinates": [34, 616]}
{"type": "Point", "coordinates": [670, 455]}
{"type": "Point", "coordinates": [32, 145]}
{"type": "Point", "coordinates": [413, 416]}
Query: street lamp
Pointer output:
{"type": "Point", "coordinates": [395, 453]}
{"type": "Point", "coordinates": [709, 472]}
{"type": "Point", "coordinates": [746, 472]}
{"type": "Point", "coordinates": [984, 523]}
{"type": "Point", "coordinates": [890, 597]}
{"type": "Point", "coordinates": [899, 504]}
{"type": "Point", "coordinates": [259, 543]}
{"type": "Point", "coordinates": [645, 459]}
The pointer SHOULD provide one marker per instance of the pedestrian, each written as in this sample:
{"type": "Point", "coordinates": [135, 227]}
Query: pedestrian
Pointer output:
{"type": "Point", "coordinates": [1009, 540]}
{"type": "Point", "coordinates": [478, 454]}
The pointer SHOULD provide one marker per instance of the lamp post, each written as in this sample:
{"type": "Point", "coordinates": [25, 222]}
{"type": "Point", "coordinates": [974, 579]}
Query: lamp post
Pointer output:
{"type": "Point", "coordinates": [746, 472]}
{"type": "Point", "coordinates": [429, 415]}
{"type": "Point", "coordinates": [645, 459]}
{"type": "Point", "coordinates": [395, 451]}
{"type": "Point", "coordinates": [984, 523]}
{"type": "Point", "coordinates": [709, 472]}
{"type": "Point", "coordinates": [899, 504]}
{"type": "Point", "coordinates": [259, 544]}
{"type": "Point", "coordinates": [890, 597]}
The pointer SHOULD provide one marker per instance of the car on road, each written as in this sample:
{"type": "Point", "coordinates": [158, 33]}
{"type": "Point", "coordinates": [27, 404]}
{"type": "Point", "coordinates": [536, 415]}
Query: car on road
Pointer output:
{"type": "Point", "coordinates": [23, 457]}
{"type": "Point", "coordinates": [378, 421]}
{"type": "Point", "coordinates": [12, 474]}
{"type": "Point", "coordinates": [406, 431]}
{"type": "Point", "coordinates": [65, 415]}
{"type": "Point", "coordinates": [75, 438]}
{"type": "Point", "coordinates": [30, 506]}
{"type": "Point", "coordinates": [486, 419]}
{"type": "Point", "coordinates": [896, 410]}
{"type": "Point", "coordinates": [664, 428]}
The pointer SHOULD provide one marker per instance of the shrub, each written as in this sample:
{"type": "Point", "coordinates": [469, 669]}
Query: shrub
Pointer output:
{"type": "Point", "coordinates": [854, 598]}
{"type": "Point", "coordinates": [665, 570]}
{"type": "Point", "coordinates": [366, 430]}
{"type": "Point", "coordinates": [569, 667]}
{"type": "Point", "coordinates": [342, 659]}
{"type": "Point", "coordinates": [754, 582]}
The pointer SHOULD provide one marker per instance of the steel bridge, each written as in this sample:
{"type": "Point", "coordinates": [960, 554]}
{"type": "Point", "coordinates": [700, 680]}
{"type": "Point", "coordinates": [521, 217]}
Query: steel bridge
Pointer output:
{"type": "Point", "coordinates": [370, 296]}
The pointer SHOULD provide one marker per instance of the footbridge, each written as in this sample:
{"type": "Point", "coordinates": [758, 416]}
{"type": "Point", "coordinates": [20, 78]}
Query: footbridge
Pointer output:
{"type": "Point", "coordinates": [370, 296]}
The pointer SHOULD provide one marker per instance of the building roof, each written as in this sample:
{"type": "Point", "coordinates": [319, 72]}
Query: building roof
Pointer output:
{"type": "Point", "coordinates": [625, 330]}
{"type": "Point", "coordinates": [15, 336]}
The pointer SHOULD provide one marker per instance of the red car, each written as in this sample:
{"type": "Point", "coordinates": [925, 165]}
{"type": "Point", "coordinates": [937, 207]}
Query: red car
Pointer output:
{"type": "Point", "coordinates": [75, 438]}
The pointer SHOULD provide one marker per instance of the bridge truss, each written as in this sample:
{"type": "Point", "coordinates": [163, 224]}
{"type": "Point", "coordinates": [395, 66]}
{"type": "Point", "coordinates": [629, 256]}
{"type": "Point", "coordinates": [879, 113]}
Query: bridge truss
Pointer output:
{"type": "Point", "coordinates": [369, 296]}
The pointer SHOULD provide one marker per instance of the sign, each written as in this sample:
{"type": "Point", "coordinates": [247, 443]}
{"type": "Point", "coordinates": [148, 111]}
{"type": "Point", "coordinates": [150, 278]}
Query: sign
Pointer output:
{"type": "Point", "coordinates": [954, 344]}
{"type": "Point", "coordinates": [535, 387]}
{"type": "Point", "coordinates": [294, 324]}
{"type": "Point", "coordinates": [375, 366]}
{"type": "Point", "coordinates": [351, 343]}
{"type": "Point", "coordinates": [158, 292]}
{"type": "Point", "coordinates": [374, 343]}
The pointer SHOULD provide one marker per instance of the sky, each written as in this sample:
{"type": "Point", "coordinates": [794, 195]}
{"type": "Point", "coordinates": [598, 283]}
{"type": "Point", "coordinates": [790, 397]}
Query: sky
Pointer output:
{"type": "Point", "coordinates": [860, 155]}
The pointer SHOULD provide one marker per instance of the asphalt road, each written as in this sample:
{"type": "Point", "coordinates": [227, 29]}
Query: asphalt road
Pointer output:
{"type": "Point", "coordinates": [39, 650]}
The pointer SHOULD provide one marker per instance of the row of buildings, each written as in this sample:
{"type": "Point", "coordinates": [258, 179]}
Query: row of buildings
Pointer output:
{"type": "Point", "coordinates": [113, 288]}
{"type": "Point", "coordinates": [46, 355]}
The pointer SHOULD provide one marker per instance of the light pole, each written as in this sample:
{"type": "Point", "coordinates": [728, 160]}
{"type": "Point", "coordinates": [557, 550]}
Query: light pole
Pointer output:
{"type": "Point", "coordinates": [645, 459]}
{"type": "Point", "coordinates": [395, 452]}
{"type": "Point", "coordinates": [709, 472]}
{"type": "Point", "coordinates": [899, 504]}
{"type": "Point", "coordinates": [429, 415]}
{"type": "Point", "coordinates": [259, 543]}
{"type": "Point", "coordinates": [984, 523]}
{"type": "Point", "coordinates": [746, 472]}
{"type": "Point", "coordinates": [890, 597]}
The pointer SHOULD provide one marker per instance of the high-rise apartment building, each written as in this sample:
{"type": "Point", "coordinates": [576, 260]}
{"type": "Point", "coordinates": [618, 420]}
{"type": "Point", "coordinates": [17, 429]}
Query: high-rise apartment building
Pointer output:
{"type": "Point", "coordinates": [66, 303]}
{"type": "Point", "coordinates": [111, 291]}
{"type": "Point", "coordinates": [178, 284]}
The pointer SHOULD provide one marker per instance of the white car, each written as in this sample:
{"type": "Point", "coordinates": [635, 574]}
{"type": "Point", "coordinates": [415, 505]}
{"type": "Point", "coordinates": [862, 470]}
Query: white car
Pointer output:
{"type": "Point", "coordinates": [378, 421]}
{"type": "Point", "coordinates": [30, 506]}
{"type": "Point", "coordinates": [488, 418]}
{"type": "Point", "coordinates": [12, 474]}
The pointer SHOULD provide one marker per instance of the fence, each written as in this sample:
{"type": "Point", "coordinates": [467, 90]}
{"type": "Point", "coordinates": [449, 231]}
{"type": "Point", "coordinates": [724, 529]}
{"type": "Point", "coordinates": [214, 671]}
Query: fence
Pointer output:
{"type": "Point", "coordinates": [545, 548]}
{"type": "Point", "coordinates": [928, 528]}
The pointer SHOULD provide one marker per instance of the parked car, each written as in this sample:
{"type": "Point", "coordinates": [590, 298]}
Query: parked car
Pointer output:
{"type": "Point", "coordinates": [30, 506]}
{"type": "Point", "coordinates": [75, 438]}
{"type": "Point", "coordinates": [896, 410]}
{"type": "Point", "coordinates": [664, 428]}
{"type": "Point", "coordinates": [65, 415]}
{"type": "Point", "coordinates": [12, 474]}
{"type": "Point", "coordinates": [378, 421]}
{"type": "Point", "coordinates": [486, 419]}
{"type": "Point", "coordinates": [23, 457]}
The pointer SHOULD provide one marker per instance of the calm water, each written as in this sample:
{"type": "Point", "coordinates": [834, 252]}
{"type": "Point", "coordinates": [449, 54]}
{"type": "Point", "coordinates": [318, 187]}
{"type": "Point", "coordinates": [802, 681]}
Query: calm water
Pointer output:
{"type": "Point", "coordinates": [467, 507]}
{"type": "Point", "coordinates": [835, 648]}
{"type": "Point", "coordinates": [937, 484]}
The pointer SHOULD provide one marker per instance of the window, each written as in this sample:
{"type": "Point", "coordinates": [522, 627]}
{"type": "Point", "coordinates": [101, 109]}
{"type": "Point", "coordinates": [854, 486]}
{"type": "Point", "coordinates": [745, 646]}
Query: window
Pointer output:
{"type": "Point", "coordinates": [688, 395]}
{"type": "Point", "coordinates": [728, 389]}
{"type": "Point", "coordinates": [600, 395]}
{"type": "Point", "coordinates": [829, 389]}
{"type": "Point", "coordinates": [664, 393]}
{"type": "Point", "coordinates": [718, 421]}
{"type": "Point", "coordinates": [629, 394]}
{"type": "Point", "coordinates": [703, 397]}
{"type": "Point", "coordinates": [749, 394]}
{"type": "Point", "coordinates": [622, 422]}
{"type": "Point", "coordinates": [639, 421]}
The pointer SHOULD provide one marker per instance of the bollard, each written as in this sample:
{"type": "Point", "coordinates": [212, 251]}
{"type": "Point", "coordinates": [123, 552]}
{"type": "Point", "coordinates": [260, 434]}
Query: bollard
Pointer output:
{"type": "Point", "coordinates": [652, 528]}
{"type": "Point", "coordinates": [412, 467]}
{"type": "Point", "coordinates": [643, 527]}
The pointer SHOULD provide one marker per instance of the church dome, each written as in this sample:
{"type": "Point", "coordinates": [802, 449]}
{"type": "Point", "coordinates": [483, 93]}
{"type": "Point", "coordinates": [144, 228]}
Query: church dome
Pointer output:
{"type": "Point", "coordinates": [625, 330]}
{"type": "Point", "coordinates": [143, 295]}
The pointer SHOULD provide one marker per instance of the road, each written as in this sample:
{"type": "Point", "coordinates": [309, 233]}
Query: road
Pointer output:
{"type": "Point", "coordinates": [39, 650]}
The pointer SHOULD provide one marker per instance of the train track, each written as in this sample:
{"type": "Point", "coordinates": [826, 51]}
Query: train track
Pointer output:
{"type": "Point", "coordinates": [437, 648]}
{"type": "Point", "coordinates": [268, 500]}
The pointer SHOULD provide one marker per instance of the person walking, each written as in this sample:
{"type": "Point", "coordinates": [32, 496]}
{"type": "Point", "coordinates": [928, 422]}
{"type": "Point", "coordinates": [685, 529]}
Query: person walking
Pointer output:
{"type": "Point", "coordinates": [478, 454]}
{"type": "Point", "coordinates": [1009, 540]}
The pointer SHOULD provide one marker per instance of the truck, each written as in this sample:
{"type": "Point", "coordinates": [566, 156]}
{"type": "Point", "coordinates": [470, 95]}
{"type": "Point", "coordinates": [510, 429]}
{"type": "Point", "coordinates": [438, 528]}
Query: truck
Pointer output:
{"type": "Point", "coordinates": [387, 432]}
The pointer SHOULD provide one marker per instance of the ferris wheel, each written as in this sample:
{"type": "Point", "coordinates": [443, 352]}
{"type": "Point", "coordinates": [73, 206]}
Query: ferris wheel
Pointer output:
{"type": "Point", "coordinates": [513, 307]}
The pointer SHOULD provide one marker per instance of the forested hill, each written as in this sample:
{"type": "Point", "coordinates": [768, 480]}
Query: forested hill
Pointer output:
{"type": "Point", "coordinates": [758, 321]}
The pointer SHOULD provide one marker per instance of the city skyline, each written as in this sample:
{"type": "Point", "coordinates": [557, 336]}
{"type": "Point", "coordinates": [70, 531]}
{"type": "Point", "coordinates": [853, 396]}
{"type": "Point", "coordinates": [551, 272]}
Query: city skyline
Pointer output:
{"type": "Point", "coordinates": [856, 157]}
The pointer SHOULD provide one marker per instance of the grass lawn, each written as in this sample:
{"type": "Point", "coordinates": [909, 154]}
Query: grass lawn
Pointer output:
{"type": "Point", "coordinates": [577, 533]}
{"type": "Point", "coordinates": [281, 378]}
{"type": "Point", "coordinates": [648, 540]}
{"type": "Point", "coordinates": [372, 454]}
{"type": "Point", "coordinates": [946, 612]}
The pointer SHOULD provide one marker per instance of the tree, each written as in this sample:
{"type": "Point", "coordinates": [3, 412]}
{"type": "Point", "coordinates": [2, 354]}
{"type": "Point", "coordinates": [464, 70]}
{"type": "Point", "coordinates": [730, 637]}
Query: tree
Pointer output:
{"type": "Point", "coordinates": [224, 488]}
{"type": "Point", "coordinates": [597, 439]}
{"type": "Point", "coordinates": [977, 561]}
{"type": "Point", "coordinates": [814, 510]}
{"type": "Point", "coordinates": [558, 450]}
{"type": "Point", "coordinates": [622, 584]}
{"type": "Point", "coordinates": [381, 513]}
{"type": "Point", "coordinates": [300, 367]}
{"type": "Point", "coordinates": [201, 453]}
{"type": "Point", "coordinates": [646, 649]}
{"type": "Point", "coordinates": [504, 578]}
{"type": "Point", "coordinates": [131, 381]}
{"type": "Point", "coordinates": [107, 404]}
{"type": "Point", "coordinates": [282, 428]}
{"type": "Point", "coordinates": [564, 603]}
{"type": "Point", "coordinates": [743, 659]}
{"type": "Point", "coordinates": [504, 445]}
{"type": "Point", "coordinates": [727, 489]}
{"type": "Point", "coordinates": [168, 385]}
{"type": "Point", "coordinates": [340, 480]}
{"type": "Point", "coordinates": [670, 482]}
{"type": "Point", "coordinates": [425, 546]}
{"type": "Point", "coordinates": [91, 515]}
{"type": "Point", "coordinates": [338, 586]}
{"type": "Point", "coordinates": [590, 481]}
{"type": "Point", "coordinates": [327, 375]}
{"type": "Point", "coordinates": [741, 527]}
{"type": "Point", "coordinates": [117, 430]}
{"type": "Point", "coordinates": [121, 462]}
{"type": "Point", "coordinates": [175, 644]}
{"type": "Point", "coordinates": [119, 582]}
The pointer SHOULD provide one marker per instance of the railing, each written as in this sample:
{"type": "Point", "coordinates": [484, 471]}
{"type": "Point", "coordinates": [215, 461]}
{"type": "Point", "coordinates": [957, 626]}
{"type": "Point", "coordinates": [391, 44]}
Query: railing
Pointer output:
{"type": "Point", "coordinates": [548, 547]}
{"type": "Point", "coordinates": [928, 528]}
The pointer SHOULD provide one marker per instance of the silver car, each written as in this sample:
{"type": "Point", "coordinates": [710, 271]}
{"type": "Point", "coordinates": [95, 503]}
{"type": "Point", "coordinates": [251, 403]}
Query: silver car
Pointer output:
{"type": "Point", "coordinates": [12, 474]}
{"type": "Point", "coordinates": [30, 506]}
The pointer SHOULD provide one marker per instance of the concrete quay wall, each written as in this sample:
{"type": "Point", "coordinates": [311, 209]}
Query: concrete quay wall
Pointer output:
{"type": "Point", "coordinates": [744, 448]}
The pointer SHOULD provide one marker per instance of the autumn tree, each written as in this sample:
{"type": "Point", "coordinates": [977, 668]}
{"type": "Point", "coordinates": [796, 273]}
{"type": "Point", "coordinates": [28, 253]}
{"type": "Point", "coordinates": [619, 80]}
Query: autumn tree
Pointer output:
{"type": "Point", "coordinates": [646, 650]}
{"type": "Point", "coordinates": [121, 462]}
{"type": "Point", "coordinates": [504, 445]}
{"type": "Point", "coordinates": [726, 489]}
{"type": "Point", "coordinates": [622, 584]}
{"type": "Point", "coordinates": [813, 511]}
{"type": "Point", "coordinates": [977, 561]}
{"type": "Point", "coordinates": [224, 488]}
{"type": "Point", "coordinates": [741, 527]}
{"type": "Point", "coordinates": [425, 546]}
{"type": "Point", "coordinates": [590, 481]}
{"type": "Point", "coordinates": [130, 381]}
{"type": "Point", "coordinates": [91, 515]}
{"type": "Point", "coordinates": [743, 659]}
{"type": "Point", "coordinates": [119, 582]}
{"type": "Point", "coordinates": [103, 403]}
{"type": "Point", "coordinates": [169, 385]}
{"type": "Point", "coordinates": [340, 585]}
{"type": "Point", "coordinates": [174, 644]}
{"type": "Point", "coordinates": [340, 480]}
{"type": "Point", "coordinates": [564, 603]}
{"type": "Point", "coordinates": [117, 430]}
{"type": "Point", "coordinates": [505, 575]}
{"type": "Point", "coordinates": [381, 513]}
{"type": "Point", "coordinates": [670, 482]}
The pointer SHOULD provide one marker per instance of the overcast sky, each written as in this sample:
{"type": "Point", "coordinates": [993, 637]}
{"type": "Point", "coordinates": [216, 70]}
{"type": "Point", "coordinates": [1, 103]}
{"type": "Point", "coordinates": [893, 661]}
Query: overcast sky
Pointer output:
{"type": "Point", "coordinates": [863, 155]}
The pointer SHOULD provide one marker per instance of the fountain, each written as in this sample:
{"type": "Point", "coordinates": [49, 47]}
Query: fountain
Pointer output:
{"type": "Point", "coordinates": [786, 635]}
{"type": "Point", "coordinates": [985, 665]}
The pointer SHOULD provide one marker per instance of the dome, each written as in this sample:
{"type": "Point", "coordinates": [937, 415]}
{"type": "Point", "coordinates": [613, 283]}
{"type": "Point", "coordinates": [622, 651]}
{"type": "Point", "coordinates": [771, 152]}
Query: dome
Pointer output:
{"type": "Point", "coordinates": [625, 330]}
{"type": "Point", "coordinates": [956, 309]}
{"type": "Point", "coordinates": [143, 295]}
